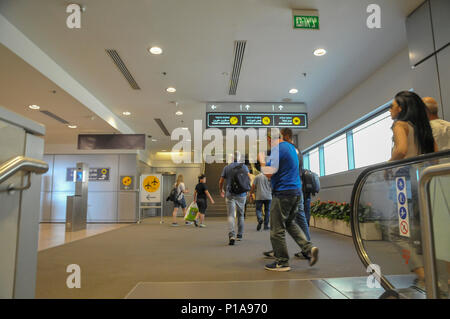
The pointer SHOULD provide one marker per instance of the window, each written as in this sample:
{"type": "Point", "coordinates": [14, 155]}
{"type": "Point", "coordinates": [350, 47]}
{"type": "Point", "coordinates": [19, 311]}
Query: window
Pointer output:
{"type": "Point", "coordinates": [365, 142]}
{"type": "Point", "coordinates": [372, 141]}
{"type": "Point", "coordinates": [335, 153]}
{"type": "Point", "coordinates": [314, 164]}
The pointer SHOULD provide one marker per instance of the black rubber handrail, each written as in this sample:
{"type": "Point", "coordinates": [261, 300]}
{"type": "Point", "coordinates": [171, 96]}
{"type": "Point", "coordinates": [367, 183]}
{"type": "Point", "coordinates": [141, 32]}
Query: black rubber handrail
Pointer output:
{"type": "Point", "coordinates": [354, 204]}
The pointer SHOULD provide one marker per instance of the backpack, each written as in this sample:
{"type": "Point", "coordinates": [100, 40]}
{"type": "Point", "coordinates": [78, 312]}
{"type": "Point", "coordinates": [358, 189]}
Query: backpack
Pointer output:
{"type": "Point", "coordinates": [311, 182]}
{"type": "Point", "coordinates": [173, 195]}
{"type": "Point", "coordinates": [240, 182]}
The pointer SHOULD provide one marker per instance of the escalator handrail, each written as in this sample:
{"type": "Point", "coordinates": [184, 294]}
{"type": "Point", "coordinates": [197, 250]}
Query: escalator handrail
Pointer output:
{"type": "Point", "coordinates": [356, 192]}
{"type": "Point", "coordinates": [427, 225]}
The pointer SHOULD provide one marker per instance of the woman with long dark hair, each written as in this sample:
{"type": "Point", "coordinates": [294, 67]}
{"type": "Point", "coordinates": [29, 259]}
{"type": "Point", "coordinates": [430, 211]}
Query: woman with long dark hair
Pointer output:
{"type": "Point", "coordinates": [412, 130]}
{"type": "Point", "coordinates": [413, 136]}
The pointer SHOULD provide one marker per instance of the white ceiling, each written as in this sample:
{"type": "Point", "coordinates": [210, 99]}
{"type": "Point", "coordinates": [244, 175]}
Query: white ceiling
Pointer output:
{"type": "Point", "coordinates": [21, 85]}
{"type": "Point", "coordinates": [197, 37]}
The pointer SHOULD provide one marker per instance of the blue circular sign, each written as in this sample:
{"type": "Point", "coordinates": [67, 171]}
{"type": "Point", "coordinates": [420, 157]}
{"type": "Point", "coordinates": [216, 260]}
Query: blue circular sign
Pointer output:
{"type": "Point", "coordinates": [401, 184]}
{"type": "Point", "coordinates": [402, 212]}
{"type": "Point", "coordinates": [401, 198]}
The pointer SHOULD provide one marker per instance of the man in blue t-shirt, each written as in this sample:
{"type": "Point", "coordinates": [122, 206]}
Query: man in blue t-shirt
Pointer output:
{"type": "Point", "coordinates": [282, 168]}
{"type": "Point", "coordinates": [235, 202]}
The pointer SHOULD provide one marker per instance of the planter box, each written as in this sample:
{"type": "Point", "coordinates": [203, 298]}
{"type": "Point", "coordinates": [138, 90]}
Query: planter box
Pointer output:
{"type": "Point", "coordinates": [369, 231]}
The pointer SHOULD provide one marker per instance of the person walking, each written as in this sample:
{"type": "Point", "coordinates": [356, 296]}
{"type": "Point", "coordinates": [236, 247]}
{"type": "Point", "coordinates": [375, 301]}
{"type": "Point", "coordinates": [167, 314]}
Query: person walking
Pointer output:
{"type": "Point", "coordinates": [412, 136]}
{"type": "Point", "coordinates": [200, 194]}
{"type": "Point", "coordinates": [282, 168]}
{"type": "Point", "coordinates": [263, 197]}
{"type": "Point", "coordinates": [179, 200]}
{"type": "Point", "coordinates": [237, 178]}
{"type": "Point", "coordinates": [440, 128]}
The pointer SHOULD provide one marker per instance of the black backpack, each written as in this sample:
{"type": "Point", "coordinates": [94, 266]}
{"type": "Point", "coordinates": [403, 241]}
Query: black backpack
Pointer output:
{"type": "Point", "coordinates": [173, 195]}
{"type": "Point", "coordinates": [240, 182]}
{"type": "Point", "coordinates": [311, 182]}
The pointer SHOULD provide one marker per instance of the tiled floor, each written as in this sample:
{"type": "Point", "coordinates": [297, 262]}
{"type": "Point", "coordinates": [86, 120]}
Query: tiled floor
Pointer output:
{"type": "Point", "coordinates": [54, 234]}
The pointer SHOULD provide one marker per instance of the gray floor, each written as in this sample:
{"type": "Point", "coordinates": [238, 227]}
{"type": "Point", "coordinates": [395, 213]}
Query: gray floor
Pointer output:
{"type": "Point", "coordinates": [331, 288]}
{"type": "Point", "coordinates": [186, 260]}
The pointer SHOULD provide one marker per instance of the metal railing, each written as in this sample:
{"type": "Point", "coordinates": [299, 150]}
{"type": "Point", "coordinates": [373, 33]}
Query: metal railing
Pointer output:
{"type": "Point", "coordinates": [21, 163]}
{"type": "Point", "coordinates": [427, 225]}
{"type": "Point", "coordinates": [425, 178]}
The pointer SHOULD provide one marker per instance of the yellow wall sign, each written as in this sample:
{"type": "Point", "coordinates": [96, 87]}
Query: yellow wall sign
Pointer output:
{"type": "Point", "coordinates": [151, 184]}
{"type": "Point", "coordinates": [126, 181]}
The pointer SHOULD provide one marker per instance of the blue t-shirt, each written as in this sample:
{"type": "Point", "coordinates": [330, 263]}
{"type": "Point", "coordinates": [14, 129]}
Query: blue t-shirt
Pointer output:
{"type": "Point", "coordinates": [286, 181]}
{"type": "Point", "coordinates": [227, 174]}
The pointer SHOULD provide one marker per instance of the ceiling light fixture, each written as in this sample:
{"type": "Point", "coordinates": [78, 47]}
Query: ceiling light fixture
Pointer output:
{"type": "Point", "coordinates": [154, 140]}
{"type": "Point", "coordinates": [179, 113]}
{"type": "Point", "coordinates": [293, 91]}
{"type": "Point", "coordinates": [34, 107]}
{"type": "Point", "coordinates": [171, 89]}
{"type": "Point", "coordinates": [320, 52]}
{"type": "Point", "coordinates": [71, 126]}
{"type": "Point", "coordinates": [126, 113]}
{"type": "Point", "coordinates": [155, 50]}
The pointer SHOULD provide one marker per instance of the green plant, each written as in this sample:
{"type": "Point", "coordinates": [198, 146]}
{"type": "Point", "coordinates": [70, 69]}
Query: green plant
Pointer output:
{"type": "Point", "coordinates": [338, 211]}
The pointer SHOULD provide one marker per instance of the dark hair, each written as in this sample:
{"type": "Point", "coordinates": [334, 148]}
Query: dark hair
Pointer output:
{"type": "Point", "coordinates": [200, 177]}
{"type": "Point", "coordinates": [414, 111]}
{"type": "Point", "coordinates": [287, 134]}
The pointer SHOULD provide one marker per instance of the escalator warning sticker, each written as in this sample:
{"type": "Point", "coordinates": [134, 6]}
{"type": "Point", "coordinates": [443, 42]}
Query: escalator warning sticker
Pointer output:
{"type": "Point", "coordinates": [402, 207]}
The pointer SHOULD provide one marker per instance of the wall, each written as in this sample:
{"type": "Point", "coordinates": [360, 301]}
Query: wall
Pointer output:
{"type": "Point", "coordinates": [378, 89]}
{"type": "Point", "coordinates": [428, 29]}
{"type": "Point", "coordinates": [106, 202]}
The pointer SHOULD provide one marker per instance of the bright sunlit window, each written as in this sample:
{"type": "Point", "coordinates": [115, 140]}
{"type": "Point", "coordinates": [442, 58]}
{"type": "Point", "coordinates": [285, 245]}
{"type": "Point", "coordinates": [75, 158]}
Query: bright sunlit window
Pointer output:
{"type": "Point", "coordinates": [373, 141]}
{"type": "Point", "coordinates": [314, 164]}
{"type": "Point", "coordinates": [335, 152]}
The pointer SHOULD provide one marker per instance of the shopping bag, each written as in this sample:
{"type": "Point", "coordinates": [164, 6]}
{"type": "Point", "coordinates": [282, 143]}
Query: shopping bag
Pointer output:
{"type": "Point", "coordinates": [191, 212]}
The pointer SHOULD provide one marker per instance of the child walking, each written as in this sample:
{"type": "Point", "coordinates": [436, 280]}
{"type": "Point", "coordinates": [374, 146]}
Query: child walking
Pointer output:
{"type": "Point", "coordinates": [200, 194]}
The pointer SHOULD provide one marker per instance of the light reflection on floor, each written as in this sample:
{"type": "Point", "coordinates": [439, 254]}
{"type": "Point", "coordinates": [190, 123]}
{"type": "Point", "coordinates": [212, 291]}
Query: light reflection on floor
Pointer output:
{"type": "Point", "coordinates": [54, 234]}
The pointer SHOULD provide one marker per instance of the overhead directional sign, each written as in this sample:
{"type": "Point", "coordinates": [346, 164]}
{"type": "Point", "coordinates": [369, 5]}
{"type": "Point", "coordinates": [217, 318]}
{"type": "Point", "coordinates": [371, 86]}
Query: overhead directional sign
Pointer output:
{"type": "Point", "coordinates": [256, 120]}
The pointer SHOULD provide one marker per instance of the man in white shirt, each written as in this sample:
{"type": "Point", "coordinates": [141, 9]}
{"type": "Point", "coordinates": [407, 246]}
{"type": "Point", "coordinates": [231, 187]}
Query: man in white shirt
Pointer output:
{"type": "Point", "coordinates": [441, 128]}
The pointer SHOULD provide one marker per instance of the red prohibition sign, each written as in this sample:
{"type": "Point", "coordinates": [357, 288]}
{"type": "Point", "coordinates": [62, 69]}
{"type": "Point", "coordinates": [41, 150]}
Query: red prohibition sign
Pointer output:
{"type": "Point", "coordinates": [404, 227]}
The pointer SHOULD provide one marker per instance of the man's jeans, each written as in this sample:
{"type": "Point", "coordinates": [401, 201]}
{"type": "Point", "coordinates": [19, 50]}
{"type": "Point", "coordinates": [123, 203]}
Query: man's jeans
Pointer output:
{"type": "Point", "coordinates": [283, 211]}
{"type": "Point", "coordinates": [259, 206]}
{"type": "Point", "coordinates": [307, 200]}
{"type": "Point", "coordinates": [235, 204]}
{"type": "Point", "coordinates": [301, 220]}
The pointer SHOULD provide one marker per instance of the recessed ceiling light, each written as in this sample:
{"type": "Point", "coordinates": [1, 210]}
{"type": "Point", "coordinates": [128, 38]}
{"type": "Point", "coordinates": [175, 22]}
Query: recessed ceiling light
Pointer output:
{"type": "Point", "coordinates": [293, 91]}
{"type": "Point", "coordinates": [179, 113]}
{"type": "Point", "coordinates": [34, 107]}
{"type": "Point", "coordinates": [126, 113]}
{"type": "Point", "coordinates": [171, 89]}
{"type": "Point", "coordinates": [320, 52]}
{"type": "Point", "coordinates": [155, 50]}
{"type": "Point", "coordinates": [154, 140]}
{"type": "Point", "coordinates": [184, 128]}
{"type": "Point", "coordinates": [71, 126]}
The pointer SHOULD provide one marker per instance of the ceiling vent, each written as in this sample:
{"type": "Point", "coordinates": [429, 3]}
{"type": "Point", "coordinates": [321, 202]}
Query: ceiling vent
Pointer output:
{"type": "Point", "coordinates": [239, 49]}
{"type": "Point", "coordinates": [122, 68]}
{"type": "Point", "coordinates": [55, 117]}
{"type": "Point", "coordinates": [162, 126]}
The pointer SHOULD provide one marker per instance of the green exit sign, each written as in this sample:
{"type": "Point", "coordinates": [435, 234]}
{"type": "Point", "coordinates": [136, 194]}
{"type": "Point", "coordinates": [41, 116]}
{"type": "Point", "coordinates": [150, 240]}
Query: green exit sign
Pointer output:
{"type": "Point", "coordinates": [306, 22]}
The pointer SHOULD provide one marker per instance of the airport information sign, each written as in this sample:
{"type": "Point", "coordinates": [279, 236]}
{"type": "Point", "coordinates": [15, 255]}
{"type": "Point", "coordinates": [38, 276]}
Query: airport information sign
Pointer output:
{"type": "Point", "coordinates": [257, 120]}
